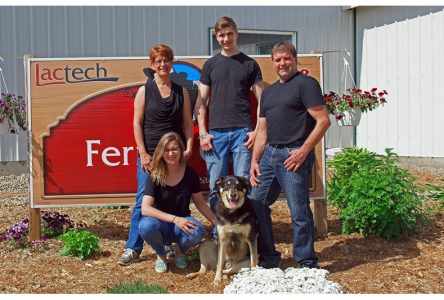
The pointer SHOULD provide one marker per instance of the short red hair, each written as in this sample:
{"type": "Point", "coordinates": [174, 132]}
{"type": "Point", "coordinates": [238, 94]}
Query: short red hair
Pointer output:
{"type": "Point", "coordinates": [161, 50]}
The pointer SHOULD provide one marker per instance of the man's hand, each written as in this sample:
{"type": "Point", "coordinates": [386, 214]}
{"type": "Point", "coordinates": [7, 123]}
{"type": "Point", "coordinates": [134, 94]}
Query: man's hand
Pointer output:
{"type": "Point", "coordinates": [254, 169]}
{"type": "Point", "coordinates": [251, 139]}
{"type": "Point", "coordinates": [296, 159]}
{"type": "Point", "coordinates": [205, 142]}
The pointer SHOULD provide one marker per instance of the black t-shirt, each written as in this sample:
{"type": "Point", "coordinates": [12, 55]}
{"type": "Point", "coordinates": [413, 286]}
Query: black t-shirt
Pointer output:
{"type": "Point", "coordinates": [284, 105]}
{"type": "Point", "coordinates": [161, 115]}
{"type": "Point", "coordinates": [230, 79]}
{"type": "Point", "coordinates": [174, 199]}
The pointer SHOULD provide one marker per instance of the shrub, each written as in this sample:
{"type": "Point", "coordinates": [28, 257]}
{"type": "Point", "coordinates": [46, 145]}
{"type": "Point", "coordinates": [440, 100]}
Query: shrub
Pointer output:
{"type": "Point", "coordinates": [137, 287]}
{"type": "Point", "coordinates": [79, 243]}
{"type": "Point", "coordinates": [374, 195]}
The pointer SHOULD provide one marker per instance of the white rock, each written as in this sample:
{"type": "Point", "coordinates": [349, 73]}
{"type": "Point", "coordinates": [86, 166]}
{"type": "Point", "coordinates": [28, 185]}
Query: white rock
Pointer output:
{"type": "Point", "coordinates": [292, 280]}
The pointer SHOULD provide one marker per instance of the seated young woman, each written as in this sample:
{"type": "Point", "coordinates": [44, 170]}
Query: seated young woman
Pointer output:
{"type": "Point", "coordinates": [166, 216]}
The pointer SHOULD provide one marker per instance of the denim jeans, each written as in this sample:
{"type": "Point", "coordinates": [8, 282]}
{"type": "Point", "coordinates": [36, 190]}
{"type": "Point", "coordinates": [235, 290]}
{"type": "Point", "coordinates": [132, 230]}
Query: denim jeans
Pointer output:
{"type": "Point", "coordinates": [135, 242]}
{"type": "Point", "coordinates": [228, 145]}
{"type": "Point", "coordinates": [295, 185]}
{"type": "Point", "coordinates": [158, 233]}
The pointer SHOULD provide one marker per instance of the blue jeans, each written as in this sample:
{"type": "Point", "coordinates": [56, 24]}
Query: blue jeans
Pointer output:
{"type": "Point", "coordinates": [158, 233]}
{"type": "Point", "coordinates": [228, 145]}
{"type": "Point", "coordinates": [295, 185]}
{"type": "Point", "coordinates": [135, 242]}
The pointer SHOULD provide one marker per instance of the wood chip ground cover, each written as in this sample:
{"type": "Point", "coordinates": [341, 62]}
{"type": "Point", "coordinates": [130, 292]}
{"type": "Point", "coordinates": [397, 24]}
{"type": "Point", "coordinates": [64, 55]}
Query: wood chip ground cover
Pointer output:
{"type": "Point", "coordinates": [358, 265]}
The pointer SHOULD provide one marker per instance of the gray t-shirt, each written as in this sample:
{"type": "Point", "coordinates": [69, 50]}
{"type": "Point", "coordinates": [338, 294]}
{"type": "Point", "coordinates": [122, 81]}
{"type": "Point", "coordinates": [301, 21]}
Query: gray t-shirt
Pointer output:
{"type": "Point", "coordinates": [230, 79]}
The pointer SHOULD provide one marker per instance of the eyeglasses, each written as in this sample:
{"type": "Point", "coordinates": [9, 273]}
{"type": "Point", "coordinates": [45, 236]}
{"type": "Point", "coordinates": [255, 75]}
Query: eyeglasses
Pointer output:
{"type": "Point", "coordinates": [159, 61]}
{"type": "Point", "coordinates": [175, 150]}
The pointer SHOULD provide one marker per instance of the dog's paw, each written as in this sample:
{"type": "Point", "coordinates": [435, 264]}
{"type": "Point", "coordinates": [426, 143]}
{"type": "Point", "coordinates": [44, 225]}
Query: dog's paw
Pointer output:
{"type": "Point", "coordinates": [191, 275]}
{"type": "Point", "coordinates": [216, 282]}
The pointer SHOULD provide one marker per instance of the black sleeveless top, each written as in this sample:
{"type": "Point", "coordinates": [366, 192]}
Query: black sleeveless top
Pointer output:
{"type": "Point", "coordinates": [161, 115]}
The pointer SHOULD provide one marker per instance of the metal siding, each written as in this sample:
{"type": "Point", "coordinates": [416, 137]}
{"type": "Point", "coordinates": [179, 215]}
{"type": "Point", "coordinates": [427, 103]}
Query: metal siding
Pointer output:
{"type": "Point", "coordinates": [401, 51]}
{"type": "Point", "coordinates": [76, 31]}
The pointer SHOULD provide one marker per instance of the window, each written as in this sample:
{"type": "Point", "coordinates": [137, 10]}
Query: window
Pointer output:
{"type": "Point", "coordinates": [255, 42]}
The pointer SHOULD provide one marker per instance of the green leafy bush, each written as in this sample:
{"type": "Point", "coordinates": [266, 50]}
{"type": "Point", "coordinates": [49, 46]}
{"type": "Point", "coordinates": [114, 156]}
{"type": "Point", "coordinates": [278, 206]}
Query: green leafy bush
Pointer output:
{"type": "Point", "coordinates": [374, 195]}
{"type": "Point", "coordinates": [137, 287]}
{"type": "Point", "coordinates": [79, 243]}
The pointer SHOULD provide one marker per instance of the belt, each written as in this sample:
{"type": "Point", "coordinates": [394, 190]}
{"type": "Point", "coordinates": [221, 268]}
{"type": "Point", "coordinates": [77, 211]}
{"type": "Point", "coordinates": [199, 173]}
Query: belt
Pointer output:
{"type": "Point", "coordinates": [280, 146]}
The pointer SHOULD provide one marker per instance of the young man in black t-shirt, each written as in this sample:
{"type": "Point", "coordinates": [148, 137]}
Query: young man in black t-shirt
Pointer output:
{"type": "Point", "coordinates": [228, 76]}
{"type": "Point", "coordinates": [293, 119]}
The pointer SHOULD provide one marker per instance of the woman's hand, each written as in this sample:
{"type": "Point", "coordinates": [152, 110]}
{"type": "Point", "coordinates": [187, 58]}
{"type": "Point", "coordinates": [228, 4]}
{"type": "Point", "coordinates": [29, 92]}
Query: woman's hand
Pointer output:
{"type": "Point", "coordinates": [184, 224]}
{"type": "Point", "coordinates": [145, 160]}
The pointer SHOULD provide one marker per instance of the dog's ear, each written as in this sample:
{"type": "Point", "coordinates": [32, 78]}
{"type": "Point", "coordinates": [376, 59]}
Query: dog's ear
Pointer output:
{"type": "Point", "coordinates": [245, 182]}
{"type": "Point", "coordinates": [219, 182]}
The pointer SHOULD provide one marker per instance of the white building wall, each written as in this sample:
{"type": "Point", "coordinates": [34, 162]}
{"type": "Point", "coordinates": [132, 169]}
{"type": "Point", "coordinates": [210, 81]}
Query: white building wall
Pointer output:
{"type": "Point", "coordinates": [401, 50]}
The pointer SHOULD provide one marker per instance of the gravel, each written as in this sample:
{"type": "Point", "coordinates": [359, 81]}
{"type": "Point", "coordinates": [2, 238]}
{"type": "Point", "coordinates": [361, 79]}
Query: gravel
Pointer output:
{"type": "Point", "coordinates": [14, 190]}
{"type": "Point", "coordinates": [292, 280]}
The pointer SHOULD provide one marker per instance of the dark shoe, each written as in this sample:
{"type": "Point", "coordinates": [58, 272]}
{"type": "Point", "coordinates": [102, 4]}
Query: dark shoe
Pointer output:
{"type": "Point", "coordinates": [304, 265]}
{"type": "Point", "coordinates": [269, 264]}
{"type": "Point", "coordinates": [128, 257]}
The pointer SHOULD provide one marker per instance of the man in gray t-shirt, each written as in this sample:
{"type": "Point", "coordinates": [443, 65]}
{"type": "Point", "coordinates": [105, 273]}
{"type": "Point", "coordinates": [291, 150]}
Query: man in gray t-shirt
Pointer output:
{"type": "Point", "coordinates": [228, 76]}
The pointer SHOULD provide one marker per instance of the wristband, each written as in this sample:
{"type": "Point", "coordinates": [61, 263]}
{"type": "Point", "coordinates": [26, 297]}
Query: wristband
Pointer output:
{"type": "Point", "coordinates": [172, 221]}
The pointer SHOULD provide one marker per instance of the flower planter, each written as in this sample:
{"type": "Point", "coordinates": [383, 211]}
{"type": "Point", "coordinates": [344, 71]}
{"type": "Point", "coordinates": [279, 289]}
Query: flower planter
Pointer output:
{"type": "Point", "coordinates": [351, 117]}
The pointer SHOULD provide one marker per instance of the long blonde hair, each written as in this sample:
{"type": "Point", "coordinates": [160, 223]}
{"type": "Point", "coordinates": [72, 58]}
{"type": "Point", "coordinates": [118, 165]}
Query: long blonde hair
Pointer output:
{"type": "Point", "coordinates": [158, 167]}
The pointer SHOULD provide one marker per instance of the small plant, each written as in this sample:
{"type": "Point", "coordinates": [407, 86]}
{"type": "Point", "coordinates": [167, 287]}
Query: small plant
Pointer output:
{"type": "Point", "coordinates": [193, 255]}
{"type": "Point", "coordinates": [437, 192]}
{"type": "Point", "coordinates": [13, 110]}
{"type": "Point", "coordinates": [17, 237]}
{"type": "Point", "coordinates": [79, 243]}
{"type": "Point", "coordinates": [55, 224]}
{"type": "Point", "coordinates": [365, 100]}
{"type": "Point", "coordinates": [137, 287]}
{"type": "Point", "coordinates": [374, 195]}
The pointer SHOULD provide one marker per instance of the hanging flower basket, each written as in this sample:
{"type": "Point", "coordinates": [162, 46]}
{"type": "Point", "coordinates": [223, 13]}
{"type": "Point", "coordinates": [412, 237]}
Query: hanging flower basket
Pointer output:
{"type": "Point", "coordinates": [351, 117]}
{"type": "Point", "coordinates": [349, 107]}
{"type": "Point", "coordinates": [12, 113]}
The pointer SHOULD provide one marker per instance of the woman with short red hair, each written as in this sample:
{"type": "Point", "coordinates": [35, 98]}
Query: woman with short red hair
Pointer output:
{"type": "Point", "coordinates": [160, 106]}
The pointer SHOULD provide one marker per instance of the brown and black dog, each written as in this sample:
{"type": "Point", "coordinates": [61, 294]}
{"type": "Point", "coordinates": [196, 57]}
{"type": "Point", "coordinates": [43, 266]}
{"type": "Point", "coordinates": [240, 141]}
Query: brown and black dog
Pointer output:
{"type": "Point", "coordinates": [237, 228]}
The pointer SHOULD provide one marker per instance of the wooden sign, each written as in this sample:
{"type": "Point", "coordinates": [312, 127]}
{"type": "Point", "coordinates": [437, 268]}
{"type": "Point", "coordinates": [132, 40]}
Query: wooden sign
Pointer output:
{"type": "Point", "coordinates": [83, 151]}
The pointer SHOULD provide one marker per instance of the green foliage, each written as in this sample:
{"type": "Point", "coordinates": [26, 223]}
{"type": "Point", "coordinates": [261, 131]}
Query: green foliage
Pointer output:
{"type": "Point", "coordinates": [137, 287]}
{"type": "Point", "coordinates": [79, 243]}
{"type": "Point", "coordinates": [374, 195]}
{"type": "Point", "coordinates": [193, 255]}
{"type": "Point", "coordinates": [437, 192]}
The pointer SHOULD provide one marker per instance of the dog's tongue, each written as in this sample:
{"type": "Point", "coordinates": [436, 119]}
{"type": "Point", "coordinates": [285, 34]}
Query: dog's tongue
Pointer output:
{"type": "Point", "coordinates": [232, 204]}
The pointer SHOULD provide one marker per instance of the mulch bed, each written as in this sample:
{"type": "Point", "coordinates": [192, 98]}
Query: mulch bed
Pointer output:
{"type": "Point", "coordinates": [360, 265]}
